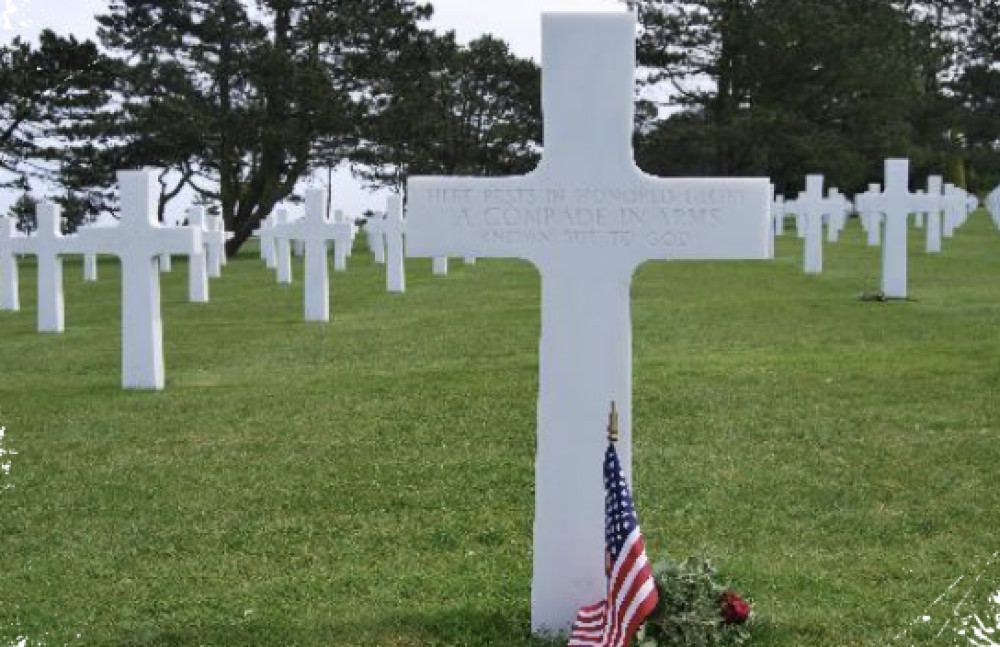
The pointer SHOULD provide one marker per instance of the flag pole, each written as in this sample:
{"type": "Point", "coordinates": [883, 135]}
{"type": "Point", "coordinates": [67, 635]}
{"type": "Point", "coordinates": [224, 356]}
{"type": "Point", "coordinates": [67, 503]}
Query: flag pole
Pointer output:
{"type": "Point", "coordinates": [613, 424]}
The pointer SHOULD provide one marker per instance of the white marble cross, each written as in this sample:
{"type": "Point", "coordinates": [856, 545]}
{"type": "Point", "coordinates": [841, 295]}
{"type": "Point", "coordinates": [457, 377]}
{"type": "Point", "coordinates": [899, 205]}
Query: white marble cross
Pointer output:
{"type": "Point", "coordinates": [138, 241]}
{"type": "Point", "coordinates": [282, 248]}
{"type": "Point", "coordinates": [587, 217]}
{"type": "Point", "coordinates": [813, 207]}
{"type": "Point", "coordinates": [954, 209]}
{"type": "Point", "coordinates": [90, 267]}
{"type": "Point", "coordinates": [11, 244]}
{"type": "Point", "coordinates": [313, 231]}
{"type": "Point", "coordinates": [871, 218]}
{"type": "Point", "coordinates": [439, 266]}
{"type": "Point", "coordinates": [49, 245]}
{"type": "Point", "coordinates": [896, 203]}
{"type": "Point", "coordinates": [213, 236]}
{"type": "Point", "coordinates": [375, 228]}
{"type": "Point", "coordinates": [933, 206]}
{"type": "Point", "coordinates": [394, 231]}
{"type": "Point", "coordinates": [267, 244]}
{"type": "Point", "coordinates": [837, 218]}
{"type": "Point", "coordinates": [198, 262]}
{"type": "Point", "coordinates": [343, 240]}
{"type": "Point", "coordinates": [166, 264]}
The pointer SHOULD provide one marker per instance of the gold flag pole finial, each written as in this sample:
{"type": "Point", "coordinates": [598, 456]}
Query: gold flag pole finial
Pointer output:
{"type": "Point", "coordinates": [613, 424]}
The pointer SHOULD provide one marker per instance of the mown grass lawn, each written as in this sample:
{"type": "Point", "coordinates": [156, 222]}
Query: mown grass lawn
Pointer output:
{"type": "Point", "coordinates": [369, 482]}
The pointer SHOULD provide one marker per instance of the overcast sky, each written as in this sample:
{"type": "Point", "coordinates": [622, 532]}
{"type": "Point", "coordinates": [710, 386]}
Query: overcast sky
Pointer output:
{"type": "Point", "coordinates": [516, 21]}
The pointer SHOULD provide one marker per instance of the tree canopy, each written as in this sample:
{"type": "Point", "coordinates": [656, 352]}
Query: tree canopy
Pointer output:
{"type": "Point", "coordinates": [241, 101]}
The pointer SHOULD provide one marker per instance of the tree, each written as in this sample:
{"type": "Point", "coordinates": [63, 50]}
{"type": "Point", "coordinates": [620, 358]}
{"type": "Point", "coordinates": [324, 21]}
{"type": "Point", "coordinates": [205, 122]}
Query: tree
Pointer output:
{"type": "Point", "coordinates": [458, 110]}
{"type": "Point", "coordinates": [24, 213]}
{"type": "Point", "coordinates": [243, 106]}
{"type": "Point", "coordinates": [42, 89]}
{"type": "Point", "coordinates": [977, 90]}
{"type": "Point", "coordinates": [781, 87]}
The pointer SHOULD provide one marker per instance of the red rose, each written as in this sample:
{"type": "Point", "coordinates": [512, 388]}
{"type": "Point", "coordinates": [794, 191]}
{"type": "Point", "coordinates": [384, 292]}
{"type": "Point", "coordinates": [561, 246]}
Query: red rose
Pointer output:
{"type": "Point", "coordinates": [735, 610]}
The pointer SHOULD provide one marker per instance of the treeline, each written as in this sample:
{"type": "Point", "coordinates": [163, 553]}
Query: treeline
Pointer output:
{"type": "Point", "coordinates": [787, 87]}
{"type": "Point", "coordinates": [241, 101]}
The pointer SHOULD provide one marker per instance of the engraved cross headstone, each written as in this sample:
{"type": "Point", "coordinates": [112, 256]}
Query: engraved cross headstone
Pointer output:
{"type": "Point", "coordinates": [313, 231]}
{"type": "Point", "coordinates": [11, 244]}
{"type": "Point", "coordinates": [587, 217]}
{"type": "Point", "coordinates": [139, 240]}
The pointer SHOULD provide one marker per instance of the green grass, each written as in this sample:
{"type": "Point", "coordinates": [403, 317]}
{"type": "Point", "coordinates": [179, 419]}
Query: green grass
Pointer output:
{"type": "Point", "coordinates": [370, 481]}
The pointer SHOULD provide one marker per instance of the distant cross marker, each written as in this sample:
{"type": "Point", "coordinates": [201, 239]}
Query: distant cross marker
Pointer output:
{"type": "Point", "coordinates": [313, 231]}
{"type": "Point", "coordinates": [812, 207]}
{"type": "Point", "coordinates": [394, 228]}
{"type": "Point", "coordinates": [375, 227]}
{"type": "Point", "coordinates": [586, 218]}
{"type": "Point", "coordinates": [282, 248]}
{"type": "Point", "coordinates": [935, 207]}
{"type": "Point", "coordinates": [11, 244]}
{"type": "Point", "coordinates": [139, 241]}
{"type": "Point", "coordinates": [49, 245]}
{"type": "Point", "coordinates": [896, 203]}
{"type": "Point", "coordinates": [343, 240]}
{"type": "Point", "coordinates": [198, 262]}
{"type": "Point", "coordinates": [90, 267]}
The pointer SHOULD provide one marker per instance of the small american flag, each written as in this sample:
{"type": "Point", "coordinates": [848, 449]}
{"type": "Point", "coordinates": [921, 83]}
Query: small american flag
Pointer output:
{"type": "Point", "coordinates": [631, 593]}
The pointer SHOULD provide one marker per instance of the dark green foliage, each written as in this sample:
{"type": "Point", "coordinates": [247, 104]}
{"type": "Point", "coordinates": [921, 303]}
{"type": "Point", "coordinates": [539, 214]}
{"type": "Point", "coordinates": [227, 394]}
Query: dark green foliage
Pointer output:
{"type": "Point", "coordinates": [457, 110]}
{"type": "Point", "coordinates": [44, 92]}
{"type": "Point", "coordinates": [688, 613]}
{"type": "Point", "coordinates": [24, 213]}
{"type": "Point", "coordinates": [786, 87]}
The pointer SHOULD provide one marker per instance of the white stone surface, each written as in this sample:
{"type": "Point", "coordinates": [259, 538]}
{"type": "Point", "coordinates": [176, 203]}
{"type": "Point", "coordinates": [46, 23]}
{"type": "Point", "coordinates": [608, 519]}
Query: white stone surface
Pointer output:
{"type": "Point", "coordinates": [954, 210]}
{"type": "Point", "coordinates": [11, 244]}
{"type": "Point", "coordinates": [840, 209]}
{"type": "Point", "coordinates": [470, 260]}
{"type": "Point", "coordinates": [812, 207]}
{"type": "Point", "coordinates": [375, 230]}
{"type": "Point", "coordinates": [48, 245]}
{"type": "Point", "coordinates": [90, 268]}
{"type": "Point", "coordinates": [138, 240]}
{"type": "Point", "coordinates": [343, 240]}
{"type": "Point", "coordinates": [896, 203]}
{"type": "Point", "coordinates": [166, 264]}
{"type": "Point", "coordinates": [871, 219]}
{"type": "Point", "coordinates": [993, 205]}
{"type": "Point", "coordinates": [439, 266]}
{"type": "Point", "coordinates": [394, 231]}
{"type": "Point", "coordinates": [213, 237]}
{"type": "Point", "coordinates": [586, 218]}
{"type": "Point", "coordinates": [282, 248]}
{"type": "Point", "coordinates": [935, 207]}
{"type": "Point", "coordinates": [313, 232]}
{"type": "Point", "coordinates": [198, 270]}
{"type": "Point", "coordinates": [268, 251]}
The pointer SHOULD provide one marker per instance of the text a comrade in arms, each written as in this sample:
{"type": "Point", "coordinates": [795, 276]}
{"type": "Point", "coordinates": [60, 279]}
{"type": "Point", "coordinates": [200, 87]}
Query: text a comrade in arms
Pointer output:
{"type": "Point", "coordinates": [600, 207]}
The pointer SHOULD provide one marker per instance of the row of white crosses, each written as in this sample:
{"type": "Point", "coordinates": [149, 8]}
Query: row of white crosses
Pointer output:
{"type": "Point", "coordinates": [587, 218]}
{"type": "Point", "coordinates": [140, 243]}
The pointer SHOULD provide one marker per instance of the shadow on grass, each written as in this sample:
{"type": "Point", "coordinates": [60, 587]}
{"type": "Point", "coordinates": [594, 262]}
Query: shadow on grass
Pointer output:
{"type": "Point", "coordinates": [466, 627]}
